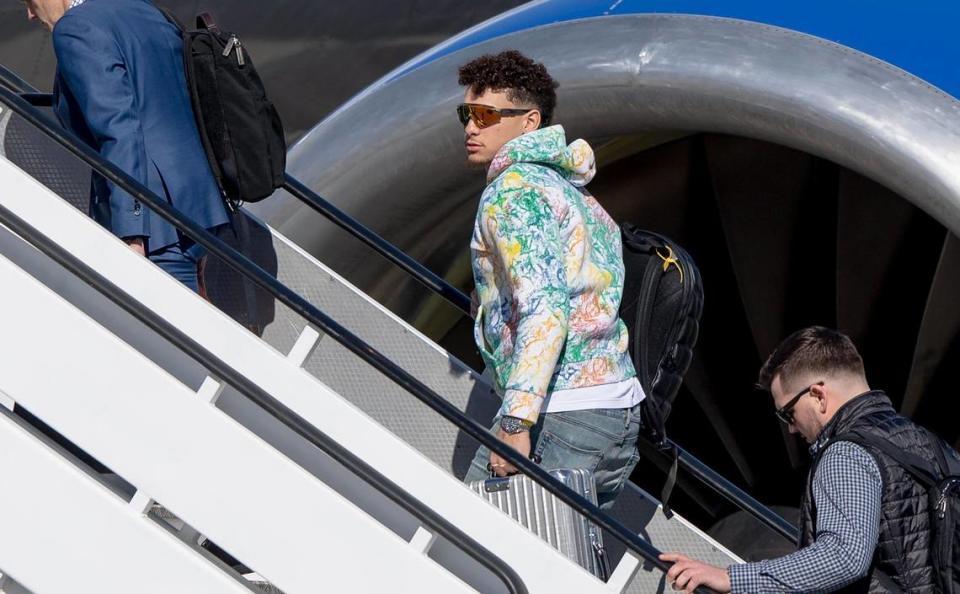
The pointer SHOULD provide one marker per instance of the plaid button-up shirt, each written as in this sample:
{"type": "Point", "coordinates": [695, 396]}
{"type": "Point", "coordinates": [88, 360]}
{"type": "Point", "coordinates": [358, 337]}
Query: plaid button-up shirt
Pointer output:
{"type": "Point", "coordinates": [847, 489]}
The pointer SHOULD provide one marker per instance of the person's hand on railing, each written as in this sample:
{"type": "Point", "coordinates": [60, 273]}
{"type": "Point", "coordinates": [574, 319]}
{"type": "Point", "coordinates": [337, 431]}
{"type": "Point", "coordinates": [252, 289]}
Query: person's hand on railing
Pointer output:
{"type": "Point", "coordinates": [687, 574]}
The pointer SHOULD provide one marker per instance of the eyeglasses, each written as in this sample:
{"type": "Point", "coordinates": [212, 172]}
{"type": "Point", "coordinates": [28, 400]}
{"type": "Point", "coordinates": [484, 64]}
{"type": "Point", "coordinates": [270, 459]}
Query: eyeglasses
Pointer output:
{"type": "Point", "coordinates": [485, 115]}
{"type": "Point", "coordinates": [785, 413]}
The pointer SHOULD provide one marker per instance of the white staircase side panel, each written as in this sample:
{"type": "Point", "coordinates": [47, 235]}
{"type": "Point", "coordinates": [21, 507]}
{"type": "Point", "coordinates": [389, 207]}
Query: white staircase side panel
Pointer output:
{"type": "Point", "coordinates": [541, 568]}
{"type": "Point", "coordinates": [62, 531]}
{"type": "Point", "coordinates": [190, 457]}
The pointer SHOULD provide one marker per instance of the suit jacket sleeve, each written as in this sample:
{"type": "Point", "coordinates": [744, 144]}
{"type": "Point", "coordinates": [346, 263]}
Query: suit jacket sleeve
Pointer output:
{"type": "Point", "coordinates": [92, 66]}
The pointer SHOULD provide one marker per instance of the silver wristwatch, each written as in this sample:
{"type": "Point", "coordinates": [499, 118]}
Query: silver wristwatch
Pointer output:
{"type": "Point", "coordinates": [513, 425]}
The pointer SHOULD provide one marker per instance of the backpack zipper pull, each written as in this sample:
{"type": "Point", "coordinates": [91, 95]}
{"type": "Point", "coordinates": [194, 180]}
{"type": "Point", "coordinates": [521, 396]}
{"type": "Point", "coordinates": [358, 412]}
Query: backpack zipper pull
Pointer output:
{"type": "Point", "coordinates": [240, 60]}
{"type": "Point", "coordinates": [234, 42]}
{"type": "Point", "coordinates": [229, 47]}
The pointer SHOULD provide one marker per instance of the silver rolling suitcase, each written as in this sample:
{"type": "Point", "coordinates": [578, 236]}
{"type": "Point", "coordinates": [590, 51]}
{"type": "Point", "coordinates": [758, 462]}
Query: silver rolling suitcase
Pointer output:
{"type": "Point", "coordinates": [549, 518]}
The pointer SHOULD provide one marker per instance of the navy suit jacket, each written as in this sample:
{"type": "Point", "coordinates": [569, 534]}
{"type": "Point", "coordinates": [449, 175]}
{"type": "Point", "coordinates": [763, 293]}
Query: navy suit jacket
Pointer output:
{"type": "Point", "coordinates": [121, 87]}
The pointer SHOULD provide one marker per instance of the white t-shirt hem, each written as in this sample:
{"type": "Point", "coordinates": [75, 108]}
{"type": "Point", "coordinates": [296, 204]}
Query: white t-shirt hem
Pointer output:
{"type": "Point", "coordinates": [623, 394]}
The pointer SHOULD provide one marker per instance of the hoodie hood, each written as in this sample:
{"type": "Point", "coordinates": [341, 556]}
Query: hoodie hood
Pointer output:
{"type": "Point", "coordinates": [547, 147]}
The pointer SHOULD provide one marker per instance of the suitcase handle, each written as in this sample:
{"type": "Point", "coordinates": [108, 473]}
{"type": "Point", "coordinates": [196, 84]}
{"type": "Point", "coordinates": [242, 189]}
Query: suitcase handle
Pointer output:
{"type": "Point", "coordinates": [496, 484]}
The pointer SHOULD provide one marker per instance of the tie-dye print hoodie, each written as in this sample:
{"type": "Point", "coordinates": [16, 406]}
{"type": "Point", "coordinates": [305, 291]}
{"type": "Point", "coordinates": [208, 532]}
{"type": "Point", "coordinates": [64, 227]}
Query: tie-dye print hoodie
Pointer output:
{"type": "Point", "coordinates": [548, 268]}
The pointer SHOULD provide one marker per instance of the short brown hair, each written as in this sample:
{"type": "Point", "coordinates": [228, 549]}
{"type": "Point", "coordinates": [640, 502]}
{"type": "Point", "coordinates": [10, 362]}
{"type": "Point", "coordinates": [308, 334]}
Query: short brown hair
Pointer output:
{"type": "Point", "coordinates": [524, 80]}
{"type": "Point", "coordinates": [814, 349]}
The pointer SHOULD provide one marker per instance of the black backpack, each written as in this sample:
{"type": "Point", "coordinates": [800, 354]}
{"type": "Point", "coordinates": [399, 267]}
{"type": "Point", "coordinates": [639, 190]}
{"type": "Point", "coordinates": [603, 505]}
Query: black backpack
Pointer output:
{"type": "Point", "coordinates": [943, 494]}
{"type": "Point", "coordinates": [239, 127]}
{"type": "Point", "coordinates": [661, 305]}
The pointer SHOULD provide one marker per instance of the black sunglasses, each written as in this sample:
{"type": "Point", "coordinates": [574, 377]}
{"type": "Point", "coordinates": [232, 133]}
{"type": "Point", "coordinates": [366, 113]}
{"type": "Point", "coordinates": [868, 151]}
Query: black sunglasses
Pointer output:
{"type": "Point", "coordinates": [785, 413]}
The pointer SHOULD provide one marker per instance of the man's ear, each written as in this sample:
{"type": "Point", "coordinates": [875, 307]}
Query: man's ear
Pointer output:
{"type": "Point", "coordinates": [531, 121]}
{"type": "Point", "coordinates": [818, 392]}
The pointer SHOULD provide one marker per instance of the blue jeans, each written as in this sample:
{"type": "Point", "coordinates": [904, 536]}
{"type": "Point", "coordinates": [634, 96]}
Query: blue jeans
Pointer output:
{"type": "Point", "coordinates": [180, 261]}
{"type": "Point", "coordinates": [602, 440]}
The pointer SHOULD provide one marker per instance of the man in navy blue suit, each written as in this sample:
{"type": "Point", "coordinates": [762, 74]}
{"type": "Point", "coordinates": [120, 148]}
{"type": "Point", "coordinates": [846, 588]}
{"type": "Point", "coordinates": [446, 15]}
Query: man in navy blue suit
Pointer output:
{"type": "Point", "coordinates": [121, 87]}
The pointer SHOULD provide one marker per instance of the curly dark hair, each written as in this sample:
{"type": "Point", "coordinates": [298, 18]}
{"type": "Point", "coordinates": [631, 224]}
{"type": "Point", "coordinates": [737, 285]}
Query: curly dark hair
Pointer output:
{"type": "Point", "coordinates": [524, 80]}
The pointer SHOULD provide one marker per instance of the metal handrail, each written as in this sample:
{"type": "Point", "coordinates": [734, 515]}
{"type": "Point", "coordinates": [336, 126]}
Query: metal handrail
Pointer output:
{"type": "Point", "coordinates": [328, 326]}
{"type": "Point", "coordinates": [691, 464]}
{"type": "Point", "coordinates": [431, 280]}
{"type": "Point", "coordinates": [38, 99]}
{"type": "Point", "coordinates": [732, 493]}
{"type": "Point", "coordinates": [16, 84]}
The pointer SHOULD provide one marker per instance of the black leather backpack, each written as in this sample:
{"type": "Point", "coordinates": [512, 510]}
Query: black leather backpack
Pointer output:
{"type": "Point", "coordinates": [239, 127]}
{"type": "Point", "coordinates": [661, 305]}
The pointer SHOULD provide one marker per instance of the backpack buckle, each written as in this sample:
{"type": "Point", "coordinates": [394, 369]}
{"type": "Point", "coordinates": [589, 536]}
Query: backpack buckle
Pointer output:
{"type": "Point", "coordinates": [669, 259]}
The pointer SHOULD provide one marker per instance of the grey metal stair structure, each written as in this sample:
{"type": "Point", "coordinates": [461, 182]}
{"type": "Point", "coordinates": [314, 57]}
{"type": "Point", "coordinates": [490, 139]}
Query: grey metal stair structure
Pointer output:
{"type": "Point", "coordinates": [346, 374]}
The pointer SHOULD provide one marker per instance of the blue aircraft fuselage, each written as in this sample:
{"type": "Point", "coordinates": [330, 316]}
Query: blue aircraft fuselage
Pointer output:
{"type": "Point", "coordinates": [918, 36]}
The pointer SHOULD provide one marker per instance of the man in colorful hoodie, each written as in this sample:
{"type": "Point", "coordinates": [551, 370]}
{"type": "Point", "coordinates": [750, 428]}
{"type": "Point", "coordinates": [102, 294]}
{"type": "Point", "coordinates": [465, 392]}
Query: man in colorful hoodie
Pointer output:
{"type": "Point", "coordinates": [548, 268]}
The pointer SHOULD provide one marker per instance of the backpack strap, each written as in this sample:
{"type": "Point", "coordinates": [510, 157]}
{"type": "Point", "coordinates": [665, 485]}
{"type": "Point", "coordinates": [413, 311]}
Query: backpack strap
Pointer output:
{"type": "Point", "coordinates": [648, 288]}
{"type": "Point", "coordinates": [671, 482]}
{"type": "Point", "coordinates": [937, 445]}
{"type": "Point", "coordinates": [924, 472]}
{"type": "Point", "coordinates": [641, 242]}
{"type": "Point", "coordinates": [249, 289]}
{"type": "Point", "coordinates": [205, 21]}
{"type": "Point", "coordinates": [171, 18]}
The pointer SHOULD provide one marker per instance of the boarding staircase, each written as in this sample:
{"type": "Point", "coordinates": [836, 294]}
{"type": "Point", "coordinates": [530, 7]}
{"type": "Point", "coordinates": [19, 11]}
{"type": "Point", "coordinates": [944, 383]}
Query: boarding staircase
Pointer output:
{"type": "Point", "coordinates": [138, 422]}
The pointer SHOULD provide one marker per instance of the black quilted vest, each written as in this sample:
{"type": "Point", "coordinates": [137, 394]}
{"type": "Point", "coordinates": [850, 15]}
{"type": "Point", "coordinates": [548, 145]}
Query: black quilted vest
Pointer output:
{"type": "Point", "coordinates": [901, 562]}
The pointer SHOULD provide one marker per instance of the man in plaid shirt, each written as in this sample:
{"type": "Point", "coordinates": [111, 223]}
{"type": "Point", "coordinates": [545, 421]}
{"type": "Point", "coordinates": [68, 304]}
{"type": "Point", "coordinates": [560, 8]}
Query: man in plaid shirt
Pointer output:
{"type": "Point", "coordinates": [814, 376]}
